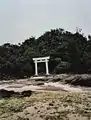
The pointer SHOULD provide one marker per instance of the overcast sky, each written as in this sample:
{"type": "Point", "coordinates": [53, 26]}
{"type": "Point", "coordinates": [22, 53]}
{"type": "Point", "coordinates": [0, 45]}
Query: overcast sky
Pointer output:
{"type": "Point", "coordinates": [20, 19]}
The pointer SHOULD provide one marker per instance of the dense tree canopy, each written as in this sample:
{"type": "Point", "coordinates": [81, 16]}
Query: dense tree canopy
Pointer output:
{"type": "Point", "coordinates": [69, 52]}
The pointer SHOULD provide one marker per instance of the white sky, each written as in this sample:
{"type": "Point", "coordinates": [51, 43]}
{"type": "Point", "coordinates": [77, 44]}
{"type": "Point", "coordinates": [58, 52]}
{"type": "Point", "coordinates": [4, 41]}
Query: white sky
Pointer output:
{"type": "Point", "coordinates": [21, 19]}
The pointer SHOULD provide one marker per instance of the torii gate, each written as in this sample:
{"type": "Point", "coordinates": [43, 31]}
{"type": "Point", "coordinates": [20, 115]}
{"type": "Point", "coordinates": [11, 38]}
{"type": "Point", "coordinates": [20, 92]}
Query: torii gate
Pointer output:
{"type": "Point", "coordinates": [39, 60]}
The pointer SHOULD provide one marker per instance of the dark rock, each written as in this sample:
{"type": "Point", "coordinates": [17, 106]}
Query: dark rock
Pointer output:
{"type": "Point", "coordinates": [79, 80]}
{"type": "Point", "coordinates": [6, 93]}
{"type": "Point", "coordinates": [26, 93]}
{"type": "Point", "coordinates": [56, 80]}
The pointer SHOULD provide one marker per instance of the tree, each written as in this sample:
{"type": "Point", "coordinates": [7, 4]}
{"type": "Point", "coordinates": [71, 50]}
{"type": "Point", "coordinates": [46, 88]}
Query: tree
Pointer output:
{"type": "Point", "coordinates": [69, 52]}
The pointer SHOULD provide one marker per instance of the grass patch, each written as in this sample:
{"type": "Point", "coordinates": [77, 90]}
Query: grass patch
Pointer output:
{"type": "Point", "coordinates": [63, 102]}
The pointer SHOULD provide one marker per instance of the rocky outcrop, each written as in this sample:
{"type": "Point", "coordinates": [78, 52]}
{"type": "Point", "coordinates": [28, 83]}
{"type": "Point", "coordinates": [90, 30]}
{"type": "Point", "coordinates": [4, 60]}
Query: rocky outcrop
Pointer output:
{"type": "Point", "coordinates": [81, 80]}
{"type": "Point", "coordinates": [6, 94]}
{"type": "Point", "coordinates": [73, 79]}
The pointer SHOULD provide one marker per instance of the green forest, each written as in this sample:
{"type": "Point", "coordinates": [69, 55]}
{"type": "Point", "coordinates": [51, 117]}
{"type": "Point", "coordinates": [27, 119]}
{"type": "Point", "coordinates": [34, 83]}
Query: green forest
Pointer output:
{"type": "Point", "coordinates": [69, 53]}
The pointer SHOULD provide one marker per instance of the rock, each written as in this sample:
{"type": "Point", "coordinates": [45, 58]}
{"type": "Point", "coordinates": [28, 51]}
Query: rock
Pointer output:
{"type": "Point", "coordinates": [81, 80]}
{"type": "Point", "coordinates": [26, 93]}
{"type": "Point", "coordinates": [39, 83]}
{"type": "Point", "coordinates": [7, 94]}
{"type": "Point", "coordinates": [56, 80]}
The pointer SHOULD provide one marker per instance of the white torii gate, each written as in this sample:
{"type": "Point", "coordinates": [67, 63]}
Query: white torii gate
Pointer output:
{"type": "Point", "coordinates": [39, 60]}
